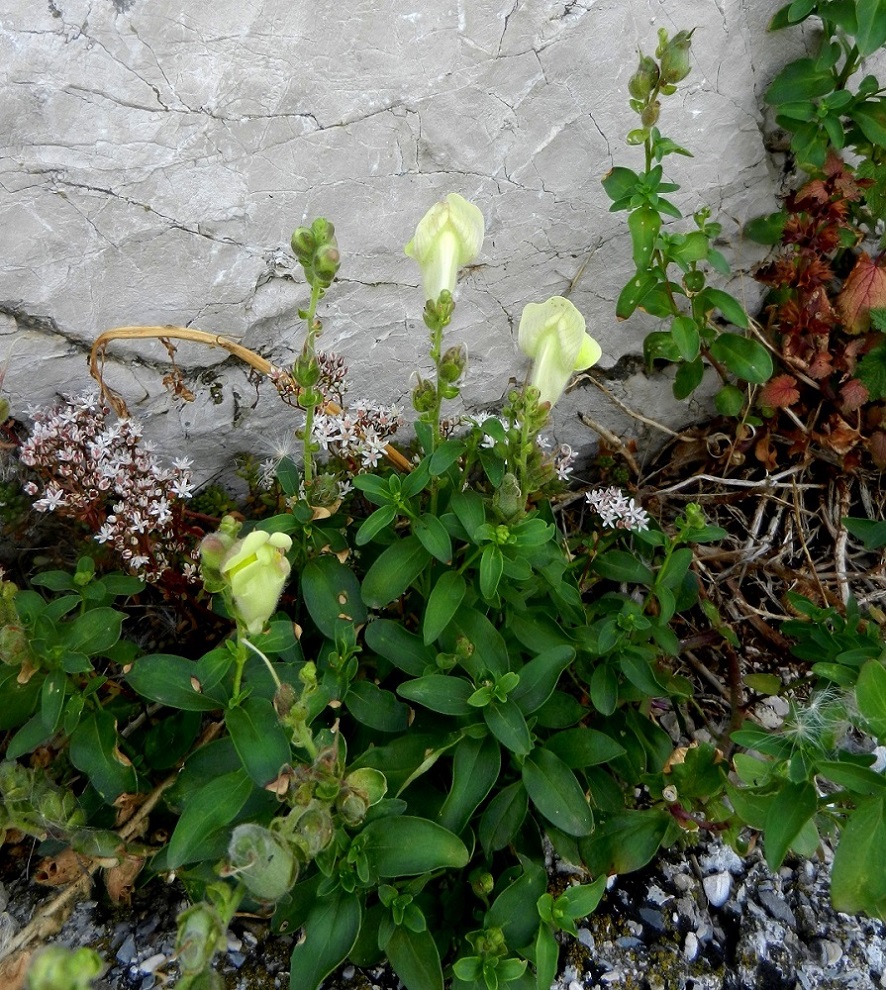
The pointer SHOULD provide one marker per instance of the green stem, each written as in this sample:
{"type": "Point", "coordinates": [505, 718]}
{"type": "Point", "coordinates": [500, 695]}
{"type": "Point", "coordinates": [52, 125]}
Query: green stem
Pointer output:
{"type": "Point", "coordinates": [240, 663]}
{"type": "Point", "coordinates": [310, 404]}
{"type": "Point", "coordinates": [267, 662]}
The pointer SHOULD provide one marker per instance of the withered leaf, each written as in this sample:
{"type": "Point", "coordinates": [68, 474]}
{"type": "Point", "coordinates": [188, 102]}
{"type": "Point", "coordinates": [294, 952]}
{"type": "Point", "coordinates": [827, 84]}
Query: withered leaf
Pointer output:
{"type": "Point", "coordinates": [863, 290]}
{"type": "Point", "coordinates": [853, 395]}
{"type": "Point", "coordinates": [779, 392]}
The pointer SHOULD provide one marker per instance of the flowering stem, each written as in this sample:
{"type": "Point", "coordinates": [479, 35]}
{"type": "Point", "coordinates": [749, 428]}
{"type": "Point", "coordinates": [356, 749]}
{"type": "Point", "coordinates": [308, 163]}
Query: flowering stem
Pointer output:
{"type": "Point", "coordinates": [267, 662]}
{"type": "Point", "coordinates": [309, 395]}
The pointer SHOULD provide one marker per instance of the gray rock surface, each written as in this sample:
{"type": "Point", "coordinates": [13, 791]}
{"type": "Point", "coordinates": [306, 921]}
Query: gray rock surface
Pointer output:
{"type": "Point", "coordinates": [159, 154]}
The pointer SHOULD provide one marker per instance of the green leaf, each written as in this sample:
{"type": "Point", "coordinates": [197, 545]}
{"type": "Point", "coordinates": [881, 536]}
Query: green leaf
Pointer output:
{"type": "Point", "coordinates": [207, 810]}
{"type": "Point", "coordinates": [583, 899]}
{"type": "Point", "coordinates": [514, 911]}
{"type": "Point", "coordinates": [872, 532]}
{"type": "Point", "coordinates": [330, 931]}
{"type": "Point", "coordinates": [800, 80]}
{"type": "Point", "coordinates": [169, 680]}
{"type": "Point", "coordinates": [871, 119]}
{"type": "Point", "coordinates": [547, 955]}
{"type": "Point", "coordinates": [618, 565]}
{"type": "Point", "coordinates": [583, 747]}
{"type": "Point", "coordinates": [686, 337]}
{"type": "Point", "coordinates": [767, 229]}
{"type": "Point", "coordinates": [331, 593]}
{"type": "Point", "coordinates": [433, 537]}
{"type": "Point", "coordinates": [258, 737]}
{"type": "Point", "coordinates": [443, 693]}
{"type": "Point", "coordinates": [644, 224]}
{"type": "Point", "coordinates": [745, 358]}
{"type": "Point", "coordinates": [858, 876]}
{"type": "Point", "coordinates": [556, 793]}
{"type": "Point", "coordinates": [379, 709]}
{"type": "Point", "coordinates": [402, 648]}
{"type": "Point", "coordinates": [858, 779]}
{"type": "Point", "coordinates": [94, 632]}
{"type": "Point", "coordinates": [792, 807]}
{"type": "Point", "coordinates": [729, 306]}
{"type": "Point", "coordinates": [604, 689]}
{"type": "Point", "coordinates": [491, 567]}
{"type": "Point", "coordinates": [470, 511]}
{"type": "Point", "coordinates": [375, 523]}
{"type": "Point", "coordinates": [490, 650]}
{"type": "Point", "coordinates": [409, 846]}
{"type": "Point", "coordinates": [800, 9]}
{"type": "Point", "coordinates": [52, 699]}
{"type": "Point", "coordinates": [169, 741]}
{"type": "Point", "coordinates": [539, 677]}
{"type": "Point", "coordinates": [729, 401]}
{"type": "Point", "coordinates": [93, 749]}
{"type": "Point", "coordinates": [443, 603]}
{"type": "Point", "coordinates": [626, 842]}
{"type": "Point", "coordinates": [476, 765]}
{"type": "Point", "coordinates": [415, 959]}
{"type": "Point", "coordinates": [54, 580]}
{"type": "Point", "coordinates": [288, 476]}
{"type": "Point", "coordinates": [394, 571]}
{"type": "Point", "coordinates": [445, 456]}
{"type": "Point", "coordinates": [506, 722]}
{"type": "Point", "coordinates": [871, 32]}
{"type": "Point", "coordinates": [688, 378]}
{"type": "Point", "coordinates": [620, 182]}
{"type": "Point", "coordinates": [870, 693]}
{"type": "Point", "coordinates": [31, 735]}
{"type": "Point", "coordinates": [632, 294]}
{"type": "Point", "coordinates": [503, 817]}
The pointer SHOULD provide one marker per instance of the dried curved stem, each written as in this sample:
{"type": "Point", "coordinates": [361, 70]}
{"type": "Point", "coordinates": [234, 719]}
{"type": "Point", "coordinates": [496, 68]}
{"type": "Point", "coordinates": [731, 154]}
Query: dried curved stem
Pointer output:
{"type": "Point", "coordinates": [245, 354]}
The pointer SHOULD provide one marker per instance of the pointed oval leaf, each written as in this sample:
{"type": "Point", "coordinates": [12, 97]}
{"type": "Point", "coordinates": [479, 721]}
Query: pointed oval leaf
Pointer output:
{"type": "Point", "coordinates": [745, 358]}
{"type": "Point", "coordinates": [170, 680]}
{"type": "Point", "coordinates": [331, 929]}
{"type": "Point", "coordinates": [409, 846]}
{"type": "Point", "coordinates": [556, 793]}
{"type": "Point", "coordinates": [443, 603]}
{"type": "Point", "coordinates": [476, 765]}
{"type": "Point", "coordinates": [443, 693]}
{"type": "Point", "coordinates": [258, 737]}
{"type": "Point", "coordinates": [394, 571]}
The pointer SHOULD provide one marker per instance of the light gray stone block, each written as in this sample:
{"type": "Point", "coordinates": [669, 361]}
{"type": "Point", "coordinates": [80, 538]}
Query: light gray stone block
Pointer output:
{"type": "Point", "coordinates": [158, 155]}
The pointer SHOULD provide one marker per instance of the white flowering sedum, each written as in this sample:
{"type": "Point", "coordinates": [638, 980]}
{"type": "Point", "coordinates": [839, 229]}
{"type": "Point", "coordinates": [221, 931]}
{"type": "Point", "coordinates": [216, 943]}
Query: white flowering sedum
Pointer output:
{"type": "Point", "coordinates": [617, 511]}
{"type": "Point", "coordinates": [106, 475]}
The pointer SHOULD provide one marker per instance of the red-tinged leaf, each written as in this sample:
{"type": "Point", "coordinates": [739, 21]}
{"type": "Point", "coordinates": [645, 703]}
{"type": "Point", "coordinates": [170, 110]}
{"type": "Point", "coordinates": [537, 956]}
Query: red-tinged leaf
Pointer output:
{"type": "Point", "coordinates": [853, 395]}
{"type": "Point", "coordinates": [779, 392]}
{"type": "Point", "coordinates": [877, 447]}
{"type": "Point", "coordinates": [863, 290]}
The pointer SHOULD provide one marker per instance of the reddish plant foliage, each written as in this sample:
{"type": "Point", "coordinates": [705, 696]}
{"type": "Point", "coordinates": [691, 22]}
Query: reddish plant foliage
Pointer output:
{"type": "Point", "coordinates": [823, 289]}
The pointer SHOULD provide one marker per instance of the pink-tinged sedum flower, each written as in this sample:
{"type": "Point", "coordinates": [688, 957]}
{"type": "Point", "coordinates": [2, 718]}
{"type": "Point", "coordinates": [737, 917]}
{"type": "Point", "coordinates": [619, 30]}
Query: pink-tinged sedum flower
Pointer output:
{"type": "Point", "coordinates": [256, 569]}
{"type": "Point", "coordinates": [448, 237]}
{"type": "Point", "coordinates": [553, 334]}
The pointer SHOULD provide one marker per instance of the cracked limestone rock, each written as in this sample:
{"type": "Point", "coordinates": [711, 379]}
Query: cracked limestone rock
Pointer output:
{"type": "Point", "coordinates": [158, 156]}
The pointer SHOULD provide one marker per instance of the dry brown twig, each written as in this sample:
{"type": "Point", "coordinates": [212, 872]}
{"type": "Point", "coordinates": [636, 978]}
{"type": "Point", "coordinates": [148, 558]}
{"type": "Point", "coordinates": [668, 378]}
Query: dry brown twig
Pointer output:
{"type": "Point", "coordinates": [255, 361]}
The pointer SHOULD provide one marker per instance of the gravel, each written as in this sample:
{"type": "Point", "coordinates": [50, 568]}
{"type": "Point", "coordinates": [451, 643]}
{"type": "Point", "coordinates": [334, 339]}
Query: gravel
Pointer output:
{"type": "Point", "coordinates": [697, 919]}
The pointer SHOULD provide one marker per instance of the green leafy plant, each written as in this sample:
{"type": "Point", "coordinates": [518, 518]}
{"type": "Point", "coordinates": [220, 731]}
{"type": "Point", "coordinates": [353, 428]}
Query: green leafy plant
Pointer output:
{"type": "Point", "coordinates": [691, 305]}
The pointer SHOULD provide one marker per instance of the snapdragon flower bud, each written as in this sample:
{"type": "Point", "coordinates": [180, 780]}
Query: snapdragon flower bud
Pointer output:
{"type": "Point", "coordinates": [644, 80]}
{"type": "Point", "coordinates": [674, 55]}
{"type": "Point", "coordinates": [256, 569]}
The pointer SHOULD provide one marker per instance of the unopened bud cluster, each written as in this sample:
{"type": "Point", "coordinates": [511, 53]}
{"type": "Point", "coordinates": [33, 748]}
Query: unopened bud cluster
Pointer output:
{"type": "Point", "coordinates": [316, 249]}
{"type": "Point", "coordinates": [31, 803]}
{"type": "Point", "coordinates": [106, 475]}
{"type": "Point", "coordinates": [653, 78]}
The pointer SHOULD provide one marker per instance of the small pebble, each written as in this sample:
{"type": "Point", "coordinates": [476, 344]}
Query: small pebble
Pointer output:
{"type": "Point", "coordinates": [152, 963]}
{"type": "Point", "coordinates": [717, 888]}
{"type": "Point", "coordinates": [653, 918]}
{"type": "Point", "coordinates": [126, 952]}
{"type": "Point", "coordinates": [586, 938]}
{"type": "Point", "coordinates": [831, 952]}
{"type": "Point", "coordinates": [348, 973]}
{"type": "Point", "coordinates": [690, 946]}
